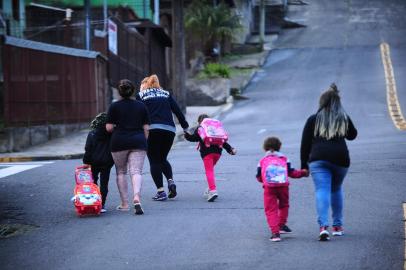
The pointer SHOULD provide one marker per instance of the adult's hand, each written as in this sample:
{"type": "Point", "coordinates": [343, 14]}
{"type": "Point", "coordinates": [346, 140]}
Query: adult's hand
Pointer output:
{"type": "Point", "coordinates": [305, 172]}
{"type": "Point", "coordinates": [146, 130]}
{"type": "Point", "coordinates": [109, 127]}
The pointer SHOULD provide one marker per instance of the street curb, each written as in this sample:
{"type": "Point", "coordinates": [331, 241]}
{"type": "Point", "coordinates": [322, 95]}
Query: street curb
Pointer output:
{"type": "Point", "coordinates": [256, 71]}
{"type": "Point", "coordinates": [179, 135]}
{"type": "Point", "coordinates": [41, 158]}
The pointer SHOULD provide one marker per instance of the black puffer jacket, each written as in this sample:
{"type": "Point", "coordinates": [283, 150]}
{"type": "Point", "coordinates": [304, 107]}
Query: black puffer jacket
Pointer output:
{"type": "Point", "coordinates": [97, 149]}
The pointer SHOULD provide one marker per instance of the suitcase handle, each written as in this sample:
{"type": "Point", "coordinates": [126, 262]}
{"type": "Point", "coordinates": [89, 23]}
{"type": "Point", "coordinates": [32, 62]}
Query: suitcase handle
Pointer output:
{"type": "Point", "coordinates": [83, 167]}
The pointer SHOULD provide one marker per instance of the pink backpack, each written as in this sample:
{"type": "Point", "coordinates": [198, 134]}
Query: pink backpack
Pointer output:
{"type": "Point", "coordinates": [274, 170]}
{"type": "Point", "coordinates": [212, 132]}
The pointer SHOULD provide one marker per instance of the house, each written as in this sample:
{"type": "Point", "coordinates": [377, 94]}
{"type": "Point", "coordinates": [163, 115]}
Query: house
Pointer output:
{"type": "Point", "coordinates": [52, 86]}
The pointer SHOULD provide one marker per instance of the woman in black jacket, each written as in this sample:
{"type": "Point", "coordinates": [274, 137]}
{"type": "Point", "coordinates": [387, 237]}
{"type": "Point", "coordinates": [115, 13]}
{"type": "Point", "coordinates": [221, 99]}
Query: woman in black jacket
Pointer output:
{"type": "Point", "coordinates": [98, 154]}
{"type": "Point", "coordinates": [162, 132]}
{"type": "Point", "coordinates": [324, 151]}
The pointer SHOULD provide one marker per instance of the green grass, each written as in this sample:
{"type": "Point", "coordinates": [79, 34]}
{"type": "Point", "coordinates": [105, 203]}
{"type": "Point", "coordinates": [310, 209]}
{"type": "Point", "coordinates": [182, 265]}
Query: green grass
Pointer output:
{"type": "Point", "coordinates": [233, 72]}
{"type": "Point", "coordinates": [214, 70]}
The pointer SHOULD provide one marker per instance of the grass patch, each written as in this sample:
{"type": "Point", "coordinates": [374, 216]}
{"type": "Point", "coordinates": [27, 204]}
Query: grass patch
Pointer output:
{"type": "Point", "coordinates": [214, 70]}
{"type": "Point", "coordinates": [232, 72]}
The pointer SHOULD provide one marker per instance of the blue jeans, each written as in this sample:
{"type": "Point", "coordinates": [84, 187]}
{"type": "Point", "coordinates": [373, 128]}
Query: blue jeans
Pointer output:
{"type": "Point", "coordinates": [328, 179]}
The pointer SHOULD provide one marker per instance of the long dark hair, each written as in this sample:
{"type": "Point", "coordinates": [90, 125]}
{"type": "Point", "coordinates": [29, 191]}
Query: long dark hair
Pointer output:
{"type": "Point", "coordinates": [331, 119]}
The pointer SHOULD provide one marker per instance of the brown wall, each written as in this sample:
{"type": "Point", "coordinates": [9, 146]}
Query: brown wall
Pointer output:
{"type": "Point", "coordinates": [44, 88]}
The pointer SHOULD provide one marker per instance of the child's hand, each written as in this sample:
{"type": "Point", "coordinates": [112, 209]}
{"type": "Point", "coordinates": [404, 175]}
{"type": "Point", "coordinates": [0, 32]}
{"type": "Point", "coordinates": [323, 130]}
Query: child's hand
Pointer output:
{"type": "Point", "coordinates": [305, 172]}
{"type": "Point", "coordinates": [233, 151]}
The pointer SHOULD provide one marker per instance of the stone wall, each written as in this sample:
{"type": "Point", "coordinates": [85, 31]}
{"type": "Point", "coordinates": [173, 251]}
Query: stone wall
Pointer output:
{"type": "Point", "coordinates": [207, 92]}
{"type": "Point", "coordinates": [244, 9]}
{"type": "Point", "coordinates": [16, 139]}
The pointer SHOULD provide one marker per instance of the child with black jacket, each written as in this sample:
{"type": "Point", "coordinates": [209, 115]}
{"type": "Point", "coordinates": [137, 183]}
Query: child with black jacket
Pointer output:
{"type": "Point", "coordinates": [210, 156]}
{"type": "Point", "coordinates": [98, 154]}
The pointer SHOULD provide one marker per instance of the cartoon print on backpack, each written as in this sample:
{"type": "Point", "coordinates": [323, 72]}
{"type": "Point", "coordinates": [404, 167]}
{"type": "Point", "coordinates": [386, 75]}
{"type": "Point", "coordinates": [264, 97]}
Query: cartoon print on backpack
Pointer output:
{"type": "Point", "coordinates": [276, 169]}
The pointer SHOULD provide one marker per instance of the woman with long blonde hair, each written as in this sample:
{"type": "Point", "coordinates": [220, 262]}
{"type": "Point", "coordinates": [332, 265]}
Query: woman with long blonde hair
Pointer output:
{"type": "Point", "coordinates": [324, 151]}
{"type": "Point", "coordinates": [160, 105]}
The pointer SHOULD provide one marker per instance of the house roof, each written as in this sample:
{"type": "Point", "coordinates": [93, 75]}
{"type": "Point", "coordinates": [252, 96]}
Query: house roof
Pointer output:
{"type": "Point", "coordinates": [167, 3]}
{"type": "Point", "coordinates": [45, 47]}
{"type": "Point", "coordinates": [158, 30]}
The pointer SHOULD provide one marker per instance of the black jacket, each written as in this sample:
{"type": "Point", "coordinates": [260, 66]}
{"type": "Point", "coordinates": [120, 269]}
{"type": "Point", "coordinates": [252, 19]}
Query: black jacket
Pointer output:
{"type": "Point", "coordinates": [160, 105]}
{"type": "Point", "coordinates": [316, 148]}
{"type": "Point", "coordinates": [97, 148]}
{"type": "Point", "coordinates": [204, 150]}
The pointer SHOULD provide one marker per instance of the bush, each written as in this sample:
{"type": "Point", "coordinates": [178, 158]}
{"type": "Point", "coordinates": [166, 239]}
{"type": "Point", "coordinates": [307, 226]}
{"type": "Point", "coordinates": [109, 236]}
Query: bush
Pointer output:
{"type": "Point", "coordinates": [215, 70]}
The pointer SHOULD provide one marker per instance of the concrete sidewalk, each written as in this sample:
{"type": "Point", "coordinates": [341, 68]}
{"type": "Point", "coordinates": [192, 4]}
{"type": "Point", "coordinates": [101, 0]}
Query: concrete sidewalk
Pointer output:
{"type": "Point", "coordinates": [72, 146]}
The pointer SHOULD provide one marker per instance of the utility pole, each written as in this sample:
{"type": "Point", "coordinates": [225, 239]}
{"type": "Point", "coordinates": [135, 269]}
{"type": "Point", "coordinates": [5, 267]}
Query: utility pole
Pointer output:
{"type": "Point", "coordinates": [105, 15]}
{"type": "Point", "coordinates": [178, 54]}
{"type": "Point", "coordinates": [156, 11]}
{"type": "Point", "coordinates": [87, 24]}
{"type": "Point", "coordinates": [145, 8]}
{"type": "Point", "coordinates": [262, 22]}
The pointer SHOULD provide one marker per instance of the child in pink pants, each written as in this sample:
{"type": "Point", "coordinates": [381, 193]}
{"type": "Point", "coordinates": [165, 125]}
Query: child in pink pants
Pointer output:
{"type": "Point", "coordinates": [210, 156]}
{"type": "Point", "coordinates": [273, 171]}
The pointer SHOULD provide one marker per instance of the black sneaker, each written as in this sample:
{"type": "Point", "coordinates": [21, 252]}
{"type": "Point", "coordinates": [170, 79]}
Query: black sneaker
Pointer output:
{"type": "Point", "coordinates": [172, 189]}
{"type": "Point", "coordinates": [160, 196]}
{"type": "Point", "coordinates": [285, 229]}
{"type": "Point", "coordinates": [324, 234]}
{"type": "Point", "coordinates": [138, 209]}
{"type": "Point", "coordinates": [276, 237]}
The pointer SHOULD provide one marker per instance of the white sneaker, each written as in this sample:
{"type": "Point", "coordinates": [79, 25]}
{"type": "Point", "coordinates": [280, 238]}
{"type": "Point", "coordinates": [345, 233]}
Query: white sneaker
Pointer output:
{"type": "Point", "coordinates": [206, 193]}
{"type": "Point", "coordinates": [103, 210]}
{"type": "Point", "coordinates": [212, 196]}
{"type": "Point", "coordinates": [324, 234]}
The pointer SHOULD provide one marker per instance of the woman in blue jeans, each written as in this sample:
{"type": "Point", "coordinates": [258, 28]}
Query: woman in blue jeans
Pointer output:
{"type": "Point", "coordinates": [324, 151]}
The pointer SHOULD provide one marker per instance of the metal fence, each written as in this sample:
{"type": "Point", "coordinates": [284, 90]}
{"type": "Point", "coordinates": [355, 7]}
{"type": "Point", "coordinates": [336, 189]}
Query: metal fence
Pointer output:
{"type": "Point", "coordinates": [141, 52]}
{"type": "Point", "coordinates": [132, 59]}
{"type": "Point", "coordinates": [47, 84]}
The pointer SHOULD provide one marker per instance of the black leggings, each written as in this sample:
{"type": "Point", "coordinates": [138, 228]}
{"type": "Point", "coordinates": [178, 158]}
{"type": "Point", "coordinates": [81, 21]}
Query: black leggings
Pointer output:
{"type": "Point", "coordinates": [104, 180]}
{"type": "Point", "coordinates": [159, 143]}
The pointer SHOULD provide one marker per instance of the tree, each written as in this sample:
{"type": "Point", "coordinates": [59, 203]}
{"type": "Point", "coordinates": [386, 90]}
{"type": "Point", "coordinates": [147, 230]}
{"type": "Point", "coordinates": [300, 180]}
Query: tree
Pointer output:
{"type": "Point", "coordinates": [211, 23]}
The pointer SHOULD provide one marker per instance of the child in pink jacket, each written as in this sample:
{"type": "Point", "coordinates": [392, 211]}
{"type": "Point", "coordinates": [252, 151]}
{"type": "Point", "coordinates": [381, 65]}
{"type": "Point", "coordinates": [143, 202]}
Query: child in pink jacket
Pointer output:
{"type": "Point", "coordinates": [273, 172]}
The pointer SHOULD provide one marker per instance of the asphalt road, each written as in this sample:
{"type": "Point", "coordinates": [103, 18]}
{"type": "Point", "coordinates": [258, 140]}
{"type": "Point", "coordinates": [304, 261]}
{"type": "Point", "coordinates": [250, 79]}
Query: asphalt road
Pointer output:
{"type": "Point", "coordinates": [340, 44]}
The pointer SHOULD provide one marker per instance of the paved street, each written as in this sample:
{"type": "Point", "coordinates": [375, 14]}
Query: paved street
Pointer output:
{"type": "Point", "coordinates": [340, 44]}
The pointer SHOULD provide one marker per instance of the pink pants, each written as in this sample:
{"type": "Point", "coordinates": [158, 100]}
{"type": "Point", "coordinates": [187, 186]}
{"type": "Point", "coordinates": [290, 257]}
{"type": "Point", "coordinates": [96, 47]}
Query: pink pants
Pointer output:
{"type": "Point", "coordinates": [276, 204]}
{"type": "Point", "coordinates": [209, 162]}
